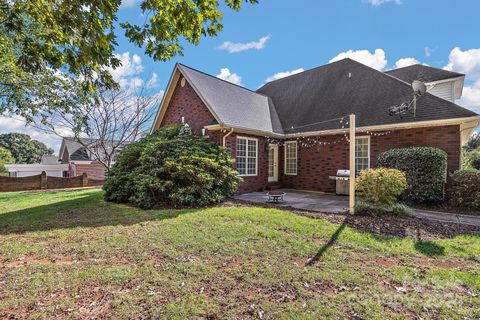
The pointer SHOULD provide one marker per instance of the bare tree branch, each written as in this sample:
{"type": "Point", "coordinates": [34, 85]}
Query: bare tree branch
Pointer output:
{"type": "Point", "coordinates": [114, 120]}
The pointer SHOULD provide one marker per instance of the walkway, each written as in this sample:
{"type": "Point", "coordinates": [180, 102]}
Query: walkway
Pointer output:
{"type": "Point", "coordinates": [328, 203]}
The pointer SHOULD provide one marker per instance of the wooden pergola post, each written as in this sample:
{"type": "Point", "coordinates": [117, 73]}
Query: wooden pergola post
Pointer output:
{"type": "Point", "coordinates": [352, 165]}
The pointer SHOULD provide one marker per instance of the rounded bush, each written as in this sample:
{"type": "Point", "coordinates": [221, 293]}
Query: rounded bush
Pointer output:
{"type": "Point", "coordinates": [464, 189]}
{"type": "Point", "coordinates": [172, 167]}
{"type": "Point", "coordinates": [380, 187]}
{"type": "Point", "coordinates": [425, 168]}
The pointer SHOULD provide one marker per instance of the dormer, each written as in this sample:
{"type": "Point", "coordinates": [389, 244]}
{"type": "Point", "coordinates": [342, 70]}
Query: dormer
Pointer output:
{"type": "Point", "coordinates": [445, 84]}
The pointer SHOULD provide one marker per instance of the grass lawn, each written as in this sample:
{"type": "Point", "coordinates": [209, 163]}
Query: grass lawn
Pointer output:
{"type": "Point", "coordinates": [71, 255]}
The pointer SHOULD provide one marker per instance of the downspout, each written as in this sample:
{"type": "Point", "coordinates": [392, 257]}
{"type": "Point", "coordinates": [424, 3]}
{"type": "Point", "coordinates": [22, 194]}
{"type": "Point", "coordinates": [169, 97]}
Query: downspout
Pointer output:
{"type": "Point", "coordinates": [225, 137]}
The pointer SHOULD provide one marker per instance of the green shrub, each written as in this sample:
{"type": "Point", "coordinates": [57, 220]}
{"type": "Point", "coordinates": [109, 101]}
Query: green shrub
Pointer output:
{"type": "Point", "coordinates": [172, 167]}
{"type": "Point", "coordinates": [380, 187]}
{"type": "Point", "coordinates": [400, 209]}
{"type": "Point", "coordinates": [472, 159]}
{"type": "Point", "coordinates": [366, 209]}
{"type": "Point", "coordinates": [464, 189]}
{"type": "Point", "coordinates": [425, 169]}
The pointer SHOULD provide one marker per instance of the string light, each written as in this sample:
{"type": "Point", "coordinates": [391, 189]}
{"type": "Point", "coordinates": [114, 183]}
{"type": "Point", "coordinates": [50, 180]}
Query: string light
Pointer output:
{"type": "Point", "coordinates": [308, 142]}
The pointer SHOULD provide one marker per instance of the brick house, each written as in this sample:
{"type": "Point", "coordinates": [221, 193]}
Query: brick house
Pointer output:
{"type": "Point", "coordinates": [293, 131]}
{"type": "Point", "coordinates": [80, 160]}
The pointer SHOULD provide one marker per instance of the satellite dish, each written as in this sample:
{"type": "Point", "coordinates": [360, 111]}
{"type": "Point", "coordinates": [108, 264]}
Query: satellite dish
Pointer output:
{"type": "Point", "coordinates": [419, 87]}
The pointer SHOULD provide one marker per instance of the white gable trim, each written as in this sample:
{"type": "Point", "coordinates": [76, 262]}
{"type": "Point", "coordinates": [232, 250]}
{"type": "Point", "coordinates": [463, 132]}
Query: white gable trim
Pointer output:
{"type": "Point", "coordinates": [172, 84]}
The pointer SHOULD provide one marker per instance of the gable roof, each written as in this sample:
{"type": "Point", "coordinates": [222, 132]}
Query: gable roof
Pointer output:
{"type": "Point", "coordinates": [423, 73]}
{"type": "Point", "coordinates": [76, 151]}
{"type": "Point", "coordinates": [231, 104]}
{"type": "Point", "coordinates": [308, 101]}
{"type": "Point", "coordinates": [304, 100]}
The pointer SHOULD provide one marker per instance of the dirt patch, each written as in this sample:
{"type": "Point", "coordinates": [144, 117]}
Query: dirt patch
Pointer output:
{"type": "Point", "coordinates": [400, 226]}
{"type": "Point", "coordinates": [25, 261]}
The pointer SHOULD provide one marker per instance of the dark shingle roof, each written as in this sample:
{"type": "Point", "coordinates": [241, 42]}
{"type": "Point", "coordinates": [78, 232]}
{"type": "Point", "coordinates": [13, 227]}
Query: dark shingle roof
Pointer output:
{"type": "Point", "coordinates": [76, 150]}
{"type": "Point", "coordinates": [422, 73]}
{"type": "Point", "coordinates": [344, 87]}
{"type": "Point", "coordinates": [234, 105]}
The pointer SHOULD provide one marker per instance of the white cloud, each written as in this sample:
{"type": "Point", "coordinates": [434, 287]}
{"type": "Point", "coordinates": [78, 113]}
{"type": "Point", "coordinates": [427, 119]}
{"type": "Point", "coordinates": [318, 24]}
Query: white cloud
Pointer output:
{"type": "Point", "coordinates": [283, 74]}
{"type": "Point", "coordinates": [428, 52]}
{"type": "Point", "coordinates": [471, 97]}
{"type": "Point", "coordinates": [375, 60]}
{"type": "Point", "coordinates": [152, 82]}
{"type": "Point", "coordinates": [128, 3]}
{"type": "Point", "coordinates": [128, 66]}
{"type": "Point", "coordinates": [405, 62]}
{"type": "Point", "coordinates": [377, 3]}
{"type": "Point", "coordinates": [467, 62]}
{"type": "Point", "coordinates": [13, 124]}
{"type": "Point", "coordinates": [226, 75]}
{"type": "Point", "coordinates": [232, 47]}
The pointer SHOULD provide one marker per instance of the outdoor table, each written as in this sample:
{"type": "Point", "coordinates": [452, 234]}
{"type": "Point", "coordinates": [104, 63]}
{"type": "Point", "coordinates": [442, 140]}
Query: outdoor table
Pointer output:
{"type": "Point", "coordinates": [275, 197]}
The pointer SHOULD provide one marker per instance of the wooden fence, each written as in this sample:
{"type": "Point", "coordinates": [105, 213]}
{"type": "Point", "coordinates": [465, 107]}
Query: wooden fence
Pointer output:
{"type": "Point", "coordinates": [42, 182]}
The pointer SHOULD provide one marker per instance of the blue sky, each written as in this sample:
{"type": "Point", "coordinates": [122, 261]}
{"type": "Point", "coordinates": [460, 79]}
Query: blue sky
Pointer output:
{"type": "Point", "coordinates": [276, 37]}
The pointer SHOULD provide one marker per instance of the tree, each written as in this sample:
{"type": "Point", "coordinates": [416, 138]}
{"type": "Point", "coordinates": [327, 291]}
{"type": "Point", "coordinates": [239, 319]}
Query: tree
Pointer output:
{"type": "Point", "coordinates": [473, 143]}
{"type": "Point", "coordinates": [109, 123]}
{"type": "Point", "coordinates": [23, 148]}
{"type": "Point", "coordinates": [172, 167]}
{"type": "Point", "coordinates": [5, 158]}
{"type": "Point", "coordinates": [54, 42]}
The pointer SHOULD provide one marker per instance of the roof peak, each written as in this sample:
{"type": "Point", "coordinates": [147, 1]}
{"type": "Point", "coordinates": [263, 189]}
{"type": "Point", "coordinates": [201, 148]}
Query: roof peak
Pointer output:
{"type": "Point", "coordinates": [220, 79]}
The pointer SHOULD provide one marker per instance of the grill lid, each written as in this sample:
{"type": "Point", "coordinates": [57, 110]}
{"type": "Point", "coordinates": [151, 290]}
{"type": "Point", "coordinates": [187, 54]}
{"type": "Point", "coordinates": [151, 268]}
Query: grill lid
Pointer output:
{"type": "Point", "coordinates": [343, 173]}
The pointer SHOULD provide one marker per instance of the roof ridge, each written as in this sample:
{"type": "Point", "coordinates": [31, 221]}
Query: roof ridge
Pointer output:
{"type": "Point", "coordinates": [308, 70]}
{"type": "Point", "coordinates": [425, 66]}
{"type": "Point", "coordinates": [231, 83]}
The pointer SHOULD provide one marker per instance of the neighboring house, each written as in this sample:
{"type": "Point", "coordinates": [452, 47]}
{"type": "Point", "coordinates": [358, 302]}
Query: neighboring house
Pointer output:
{"type": "Point", "coordinates": [81, 159]}
{"type": "Point", "coordinates": [284, 134]}
{"type": "Point", "coordinates": [49, 164]}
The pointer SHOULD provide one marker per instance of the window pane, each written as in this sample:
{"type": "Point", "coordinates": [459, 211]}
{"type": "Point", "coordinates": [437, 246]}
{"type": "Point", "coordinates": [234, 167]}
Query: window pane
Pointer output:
{"type": "Point", "coordinates": [361, 154]}
{"type": "Point", "coordinates": [291, 158]}
{"type": "Point", "coordinates": [246, 157]}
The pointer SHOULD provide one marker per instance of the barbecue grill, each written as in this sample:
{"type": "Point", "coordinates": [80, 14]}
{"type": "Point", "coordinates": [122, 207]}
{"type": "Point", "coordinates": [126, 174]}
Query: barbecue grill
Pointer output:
{"type": "Point", "coordinates": [342, 181]}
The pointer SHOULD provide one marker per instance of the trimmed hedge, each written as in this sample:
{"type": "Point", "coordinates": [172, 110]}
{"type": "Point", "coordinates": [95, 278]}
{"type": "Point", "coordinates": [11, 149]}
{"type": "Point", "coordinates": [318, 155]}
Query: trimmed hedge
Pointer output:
{"type": "Point", "coordinates": [172, 167]}
{"type": "Point", "coordinates": [426, 170]}
{"type": "Point", "coordinates": [464, 189]}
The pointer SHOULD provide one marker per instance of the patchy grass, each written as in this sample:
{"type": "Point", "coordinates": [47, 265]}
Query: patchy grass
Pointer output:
{"type": "Point", "coordinates": [71, 255]}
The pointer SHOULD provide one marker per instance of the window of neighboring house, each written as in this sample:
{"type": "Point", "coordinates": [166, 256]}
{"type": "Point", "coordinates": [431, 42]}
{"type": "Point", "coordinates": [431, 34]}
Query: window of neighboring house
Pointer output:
{"type": "Point", "coordinates": [291, 157]}
{"type": "Point", "coordinates": [12, 174]}
{"type": "Point", "coordinates": [65, 174]}
{"type": "Point", "coordinates": [247, 156]}
{"type": "Point", "coordinates": [362, 153]}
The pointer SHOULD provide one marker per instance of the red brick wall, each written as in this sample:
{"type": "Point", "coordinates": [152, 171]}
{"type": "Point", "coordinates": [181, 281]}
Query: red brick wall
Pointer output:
{"type": "Point", "coordinates": [94, 170]}
{"type": "Point", "coordinates": [316, 164]}
{"type": "Point", "coordinates": [258, 182]}
{"type": "Point", "coordinates": [186, 103]}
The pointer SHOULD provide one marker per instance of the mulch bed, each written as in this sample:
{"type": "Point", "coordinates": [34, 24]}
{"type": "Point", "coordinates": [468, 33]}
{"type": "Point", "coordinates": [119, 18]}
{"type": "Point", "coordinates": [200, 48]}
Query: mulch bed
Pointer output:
{"type": "Point", "coordinates": [400, 226]}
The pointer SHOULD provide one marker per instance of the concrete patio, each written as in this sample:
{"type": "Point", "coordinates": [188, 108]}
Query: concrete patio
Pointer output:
{"type": "Point", "coordinates": [304, 200]}
{"type": "Point", "coordinates": [330, 203]}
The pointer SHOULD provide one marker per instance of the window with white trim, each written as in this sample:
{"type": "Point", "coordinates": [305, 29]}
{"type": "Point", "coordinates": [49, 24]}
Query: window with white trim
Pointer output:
{"type": "Point", "coordinates": [291, 157]}
{"type": "Point", "coordinates": [362, 153]}
{"type": "Point", "coordinates": [247, 156]}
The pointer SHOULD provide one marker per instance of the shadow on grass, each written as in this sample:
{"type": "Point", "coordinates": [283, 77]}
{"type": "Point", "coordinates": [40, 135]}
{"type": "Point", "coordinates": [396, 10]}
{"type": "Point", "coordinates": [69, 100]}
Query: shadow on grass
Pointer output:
{"type": "Point", "coordinates": [327, 245]}
{"type": "Point", "coordinates": [429, 248]}
{"type": "Point", "coordinates": [87, 210]}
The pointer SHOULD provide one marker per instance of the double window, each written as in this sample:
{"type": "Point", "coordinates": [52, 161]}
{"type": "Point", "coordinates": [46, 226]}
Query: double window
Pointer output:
{"type": "Point", "coordinates": [247, 156]}
{"type": "Point", "coordinates": [362, 153]}
{"type": "Point", "coordinates": [291, 158]}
